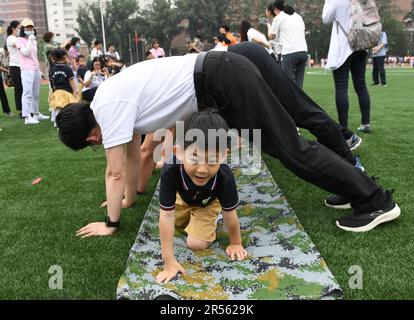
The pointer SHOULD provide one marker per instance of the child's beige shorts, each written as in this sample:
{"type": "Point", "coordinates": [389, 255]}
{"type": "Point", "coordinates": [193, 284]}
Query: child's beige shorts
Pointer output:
{"type": "Point", "coordinates": [197, 222]}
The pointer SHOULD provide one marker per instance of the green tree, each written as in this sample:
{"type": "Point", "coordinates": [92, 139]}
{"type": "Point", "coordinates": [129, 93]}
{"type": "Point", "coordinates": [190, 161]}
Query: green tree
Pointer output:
{"type": "Point", "coordinates": [89, 21]}
{"type": "Point", "coordinates": [204, 16]}
{"type": "Point", "coordinates": [161, 21]}
{"type": "Point", "coordinates": [393, 26]}
{"type": "Point", "coordinates": [120, 21]}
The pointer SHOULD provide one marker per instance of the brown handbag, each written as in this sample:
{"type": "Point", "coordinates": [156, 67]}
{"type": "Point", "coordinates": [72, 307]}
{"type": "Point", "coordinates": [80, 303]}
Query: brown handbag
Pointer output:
{"type": "Point", "coordinates": [8, 80]}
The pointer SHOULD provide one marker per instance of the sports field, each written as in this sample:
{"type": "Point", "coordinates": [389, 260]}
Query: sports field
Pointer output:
{"type": "Point", "coordinates": [38, 223]}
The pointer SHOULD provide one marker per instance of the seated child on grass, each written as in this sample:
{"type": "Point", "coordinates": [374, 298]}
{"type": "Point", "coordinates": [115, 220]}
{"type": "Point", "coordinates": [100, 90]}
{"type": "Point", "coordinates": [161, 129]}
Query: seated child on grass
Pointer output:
{"type": "Point", "coordinates": [62, 81]}
{"type": "Point", "coordinates": [193, 192]}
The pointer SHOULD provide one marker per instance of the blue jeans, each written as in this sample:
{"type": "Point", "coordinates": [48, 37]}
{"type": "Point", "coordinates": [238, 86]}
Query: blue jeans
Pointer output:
{"type": "Point", "coordinates": [356, 63]}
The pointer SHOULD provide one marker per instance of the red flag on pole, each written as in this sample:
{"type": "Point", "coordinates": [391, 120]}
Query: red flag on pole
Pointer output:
{"type": "Point", "coordinates": [136, 38]}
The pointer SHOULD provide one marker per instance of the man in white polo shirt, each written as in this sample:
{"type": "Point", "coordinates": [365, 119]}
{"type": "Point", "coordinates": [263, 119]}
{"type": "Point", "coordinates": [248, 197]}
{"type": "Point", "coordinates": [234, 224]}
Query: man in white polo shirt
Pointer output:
{"type": "Point", "coordinates": [155, 94]}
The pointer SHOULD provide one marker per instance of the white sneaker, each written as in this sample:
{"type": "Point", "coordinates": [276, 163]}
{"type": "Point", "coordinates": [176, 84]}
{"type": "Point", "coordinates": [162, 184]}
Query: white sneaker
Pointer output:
{"type": "Point", "coordinates": [40, 116]}
{"type": "Point", "coordinates": [30, 120]}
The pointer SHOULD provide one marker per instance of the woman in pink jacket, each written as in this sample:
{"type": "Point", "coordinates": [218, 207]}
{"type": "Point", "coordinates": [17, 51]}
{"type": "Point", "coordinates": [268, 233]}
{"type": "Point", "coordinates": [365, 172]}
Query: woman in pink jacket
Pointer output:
{"type": "Point", "coordinates": [30, 72]}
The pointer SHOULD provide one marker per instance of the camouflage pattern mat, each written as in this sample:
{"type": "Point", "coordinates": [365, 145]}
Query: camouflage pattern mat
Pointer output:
{"type": "Point", "coordinates": [283, 263]}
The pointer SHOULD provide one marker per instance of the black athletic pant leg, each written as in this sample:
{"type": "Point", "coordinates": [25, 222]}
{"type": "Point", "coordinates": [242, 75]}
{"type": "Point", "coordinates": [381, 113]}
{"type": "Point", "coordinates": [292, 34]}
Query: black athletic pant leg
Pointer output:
{"type": "Point", "coordinates": [245, 101]}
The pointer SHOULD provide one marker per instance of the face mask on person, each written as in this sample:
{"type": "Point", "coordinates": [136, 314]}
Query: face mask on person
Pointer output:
{"type": "Point", "coordinates": [28, 33]}
{"type": "Point", "coordinates": [78, 46]}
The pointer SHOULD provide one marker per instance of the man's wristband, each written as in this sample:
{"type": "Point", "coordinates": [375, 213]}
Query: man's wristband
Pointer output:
{"type": "Point", "coordinates": [110, 224]}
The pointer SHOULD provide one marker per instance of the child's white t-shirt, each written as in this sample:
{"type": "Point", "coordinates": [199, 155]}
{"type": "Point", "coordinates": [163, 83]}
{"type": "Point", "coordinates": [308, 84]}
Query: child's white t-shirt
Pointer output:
{"type": "Point", "coordinates": [144, 98]}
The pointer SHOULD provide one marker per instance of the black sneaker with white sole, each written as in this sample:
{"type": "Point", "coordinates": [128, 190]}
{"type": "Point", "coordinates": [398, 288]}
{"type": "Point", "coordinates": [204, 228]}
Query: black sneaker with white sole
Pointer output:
{"type": "Point", "coordinates": [341, 202]}
{"type": "Point", "coordinates": [338, 202]}
{"type": "Point", "coordinates": [367, 221]}
{"type": "Point", "coordinates": [354, 142]}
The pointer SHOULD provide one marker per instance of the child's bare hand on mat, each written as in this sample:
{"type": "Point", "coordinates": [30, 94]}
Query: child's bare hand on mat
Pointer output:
{"type": "Point", "coordinates": [125, 204]}
{"type": "Point", "coordinates": [236, 251]}
{"type": "Point", "coordinates": [171, 268]}
{"type": "Point", "coordinates": [95, 229]}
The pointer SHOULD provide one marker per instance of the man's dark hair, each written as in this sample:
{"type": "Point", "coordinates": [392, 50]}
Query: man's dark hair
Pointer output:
{"type": "Point", "coordinates": [97, 42]}
{"type": "Point", "coordinates": [58, 54]}
{"type": "Point", "coordinates": [75, 123]}
{"type": "Point", "coordinates": [280, 5]}
{"type": "Point", "coordinates": [289, 10]}
{"type": "Point", "coordinates": [205, 120]}
{"type": "Point", "coordinates": [225, 27]}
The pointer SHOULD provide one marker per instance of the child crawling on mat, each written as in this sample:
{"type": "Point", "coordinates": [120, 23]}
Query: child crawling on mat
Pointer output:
{"type": "Point", "coordinates": [195, 187]}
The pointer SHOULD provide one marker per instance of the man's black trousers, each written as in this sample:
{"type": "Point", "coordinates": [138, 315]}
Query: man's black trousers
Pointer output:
{"type": "Point", "coordinates": [235, 87]}
{"type": "Point", "coordinates": [302, 109]}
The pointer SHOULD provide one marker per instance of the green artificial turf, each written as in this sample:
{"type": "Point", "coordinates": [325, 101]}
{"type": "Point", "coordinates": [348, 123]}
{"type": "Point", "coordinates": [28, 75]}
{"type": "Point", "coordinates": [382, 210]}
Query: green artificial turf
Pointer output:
{"type": "Point", "coordinates": [38, 223]}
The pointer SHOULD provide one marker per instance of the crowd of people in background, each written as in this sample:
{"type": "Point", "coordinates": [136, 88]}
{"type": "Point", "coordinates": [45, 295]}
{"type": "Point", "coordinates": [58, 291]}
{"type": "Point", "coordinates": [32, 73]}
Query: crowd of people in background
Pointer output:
{"type": "Point", "coordinates": [71, 75]}
{"type": "Point", "coordinates": [285, 41]}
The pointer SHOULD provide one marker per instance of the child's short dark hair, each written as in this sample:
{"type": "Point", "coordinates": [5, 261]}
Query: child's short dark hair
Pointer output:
{"type": "Point", "coordinates": [205, 121]}
{"type": "Point", "coordinates": [58, 54]}
{"type": "Point", "coordinates": [75, 123]}
{"type": "Point", "coordinates": [80, 57]}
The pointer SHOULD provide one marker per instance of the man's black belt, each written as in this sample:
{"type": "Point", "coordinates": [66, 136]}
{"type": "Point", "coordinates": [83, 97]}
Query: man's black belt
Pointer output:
{"type": "Point", "coordinates": [199, 83]}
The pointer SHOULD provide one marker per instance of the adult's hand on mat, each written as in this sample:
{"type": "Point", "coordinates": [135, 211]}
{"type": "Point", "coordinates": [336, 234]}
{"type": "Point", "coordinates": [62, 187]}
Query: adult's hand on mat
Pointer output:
{"type": "Point", "coordinates": [236, 251]}
{"type": "Point", "coordinates": [170, 271]}
{"type": "Point", "coordinates": [125, 204]}
{"type": "Point", "coordinates": [95, 229]}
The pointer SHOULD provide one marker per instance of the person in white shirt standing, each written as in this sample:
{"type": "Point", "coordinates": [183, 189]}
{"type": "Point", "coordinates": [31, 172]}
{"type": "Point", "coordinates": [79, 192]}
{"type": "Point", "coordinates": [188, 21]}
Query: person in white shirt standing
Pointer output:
{"type": "Point", "coordinates": [342, 59]}
{"type": "Point", "coordinates": [97, 50]}
{"type": "Point", "coordinates": [30, 70]}
{"type": "Point", "coordinates": [247, 33]}
{"type": "Point", "coordinates": [113, 53]}
{"type": "Point", "coordinates": [275, 43]}
{"type": "Point", "coordinates": [13, 31]}
{"type": "Point", "coordinates": [289, 27]}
